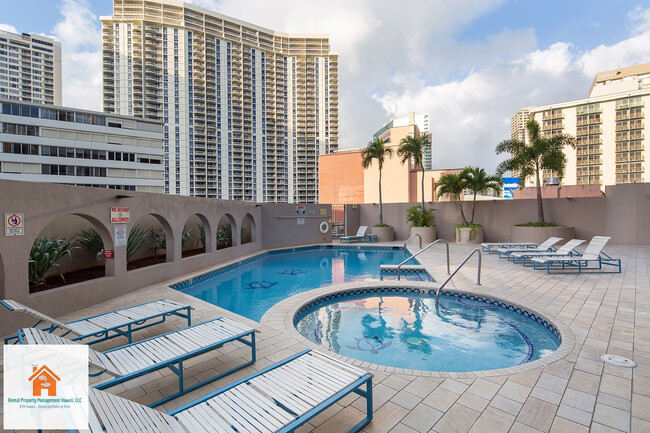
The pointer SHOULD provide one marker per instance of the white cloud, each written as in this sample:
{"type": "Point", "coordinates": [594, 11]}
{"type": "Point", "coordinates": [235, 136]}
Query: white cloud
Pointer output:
{"type": "Point", "coordinates": [639, 20]}
{"type": "Point", "coordinates": [8, 28]}
{"type": "Point", "coordinates": [80, 36]}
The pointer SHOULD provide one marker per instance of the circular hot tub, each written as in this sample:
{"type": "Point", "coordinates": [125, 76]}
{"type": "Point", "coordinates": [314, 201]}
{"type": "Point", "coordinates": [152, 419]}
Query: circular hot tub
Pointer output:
{"type": "Point", "coordinates": [405, 328]}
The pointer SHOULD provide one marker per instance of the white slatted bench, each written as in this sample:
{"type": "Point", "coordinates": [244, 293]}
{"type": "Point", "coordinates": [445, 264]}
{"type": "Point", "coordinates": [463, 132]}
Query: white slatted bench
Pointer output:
{"type": "Point", "coordinates": [279, 398]}
{"type": "Point", "coordinates": [591, 260]}
{"type": "Point", "coordinates": [526, 257]}
{"type": "Point", "coordinates": [108, 325]}
{"type": "Point", "coordinates": [164, 351]}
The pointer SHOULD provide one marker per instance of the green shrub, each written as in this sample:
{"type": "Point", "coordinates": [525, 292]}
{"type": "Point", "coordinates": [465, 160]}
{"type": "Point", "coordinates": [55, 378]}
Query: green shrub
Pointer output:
{"type": "Point", "coordinates": [224, 236]}
{"type": "Point", "coordinates": [160, 239]}
{"type": "Point", "coordinates": [472, 233]}
{"type": "Point", "coordinates": [44, 255]}
{"type": "Point", "coordinates": [93, 241]}
{"type": "Point", "coordinates": [382, 225]}
{"type": "Point", "coordinates": [417, 218]}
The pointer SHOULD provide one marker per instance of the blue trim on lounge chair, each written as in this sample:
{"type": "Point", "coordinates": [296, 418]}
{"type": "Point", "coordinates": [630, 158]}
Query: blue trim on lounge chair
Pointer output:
{"type": "Point", "coordinates": [580, 265]}
{"type": "Point", "coordinates": [488, 248]}
{"type": "Point", "coordinates": [118, 330]}
{"type": "Point", "coordinates": [355, 387]}
{"type": "Point", "coordinates": [178, 368]}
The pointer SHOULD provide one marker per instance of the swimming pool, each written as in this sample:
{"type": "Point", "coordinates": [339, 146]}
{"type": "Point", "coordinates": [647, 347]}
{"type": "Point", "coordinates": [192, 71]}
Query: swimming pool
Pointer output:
{"type": "Point", "coordinates": [251, 287]}
{"type": "Point", "coordinates": [403, 328]}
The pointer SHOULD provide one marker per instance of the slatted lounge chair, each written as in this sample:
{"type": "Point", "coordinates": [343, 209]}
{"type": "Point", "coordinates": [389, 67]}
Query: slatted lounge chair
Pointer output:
{"type": "Point", "coordinates": [546, 246]}
{"type": "Point", "coordinates": [593, 254]}
{"type": "Point", "coordinates": [279, 398]}
{"type": "Point", "coordinates": [108, 325]}
{"type": "Point", "coordinates": [564, 251]}
{"type": "Point", "coordinates": [164, 351]}
{"type": "Point", "coordinates": [359, 237]}
{"type": "Point", "coordinates": [488, 246]}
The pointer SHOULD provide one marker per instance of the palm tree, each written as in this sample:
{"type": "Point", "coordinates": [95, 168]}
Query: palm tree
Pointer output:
{"type": "Point", "coordinates": [480, 182]}
{"type": "Point", "coordinates": [530, 159]}
{"type": "Point", "coordinates": [453, 185]}
{"type": "Point", "coordinates": [414, 147]}
{"type": "Point", "coordinates": [376, 150]}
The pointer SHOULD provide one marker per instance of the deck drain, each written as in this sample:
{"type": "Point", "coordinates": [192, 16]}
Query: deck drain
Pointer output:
{"type": "Point", "coordinates": [618, 361]}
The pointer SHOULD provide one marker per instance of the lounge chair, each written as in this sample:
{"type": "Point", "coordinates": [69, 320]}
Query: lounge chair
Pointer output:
{"type": "Point", "coordinates": [164, 351]}
{"type": "Point", "coordinates": [546, 246]}
{"type": "Point", "coordinates": [488, 246]}
{"type": "Point", "coordinates": [108, 325]}
{"type": "Point", "coordinates": [279, 398]}
{"type": "Point", "coordinates": [564, 251]}
{"type": "Point", "coordinates": [359, 237]}
{"type": "Point", "coordinates": [581, 263]}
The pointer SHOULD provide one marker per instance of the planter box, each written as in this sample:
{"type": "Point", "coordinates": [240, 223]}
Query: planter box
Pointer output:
{"type": "Point", "coordinates": [463, 235]}
{"type": "Point", "coordinates": [540, 234]}
{"type": "Point", "coordinates": [384, 234]}
{"type": "Point", "coordinates": [428, 234]}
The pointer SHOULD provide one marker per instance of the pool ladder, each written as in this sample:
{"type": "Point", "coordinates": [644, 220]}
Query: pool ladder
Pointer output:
{"type": "Point", "coordinates": [478, 275]}
{"type": "Point", "coordinates": [399, 267]}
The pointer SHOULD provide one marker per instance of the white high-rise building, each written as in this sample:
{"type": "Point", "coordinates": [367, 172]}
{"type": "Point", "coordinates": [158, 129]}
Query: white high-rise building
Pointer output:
{"type": "Point", "coordinates": [246, 110]}
{"type": "Point", "coordinates": [30, 68]}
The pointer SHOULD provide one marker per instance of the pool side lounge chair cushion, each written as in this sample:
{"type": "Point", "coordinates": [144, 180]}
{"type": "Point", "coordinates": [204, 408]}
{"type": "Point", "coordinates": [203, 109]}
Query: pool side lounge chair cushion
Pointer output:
{"type": "Point", "coordinates": [108, 325]}
{"type": "Point", "coordinates": [164, 351]}
{"type": "Point", "coordinates": [359, 237]}
{"type": "Point", "coordinates": [581, 263]}
{"type": "Point", "coordinates": [281, 397]}
{"type": "Point", "coordinates": [546, 246]}
{"type": "Point", "coordinates": [564, 251]}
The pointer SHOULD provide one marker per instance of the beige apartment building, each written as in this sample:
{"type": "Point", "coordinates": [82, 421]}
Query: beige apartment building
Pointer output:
{"type": "Point", "coordinates": [609, 126]}
{"type": "Point", "coordinates": [246, 110]}
{"type": "Point", "coordinates": [30, 68]}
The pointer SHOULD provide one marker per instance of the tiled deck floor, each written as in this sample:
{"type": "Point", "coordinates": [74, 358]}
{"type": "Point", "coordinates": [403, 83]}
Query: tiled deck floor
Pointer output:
{"type": "Point", "coordinates": [606, 313]}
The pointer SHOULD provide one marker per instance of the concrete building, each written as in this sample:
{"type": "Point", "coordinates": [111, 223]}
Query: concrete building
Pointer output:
{"type": "Point", "coordinates": [343, 180]}
{"type": "Point", "coordinates": [609, 127]}
{"type": "Point", "coordinates": [518, 124]}
{"type": "Point", "coordinates": [42, 143]}
{"type": "Point", "coordinates": [246, 110]}
{"type": "Point", "coordinates": [422, 122]}
{"type": "Point", "coordinates": [30, 68]}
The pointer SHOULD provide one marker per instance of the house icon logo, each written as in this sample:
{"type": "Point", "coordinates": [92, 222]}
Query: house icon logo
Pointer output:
{"type": "Point", "coordinates": [43, 379]}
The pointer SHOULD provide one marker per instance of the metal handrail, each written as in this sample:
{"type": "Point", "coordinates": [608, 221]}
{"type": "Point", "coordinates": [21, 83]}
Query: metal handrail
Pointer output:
{"type": "Point", "coordinates": [412, 236]}
{"type": "Point", "coordinates": [478, 276]}
{"type": "Point", "coordinates": [399, 267]}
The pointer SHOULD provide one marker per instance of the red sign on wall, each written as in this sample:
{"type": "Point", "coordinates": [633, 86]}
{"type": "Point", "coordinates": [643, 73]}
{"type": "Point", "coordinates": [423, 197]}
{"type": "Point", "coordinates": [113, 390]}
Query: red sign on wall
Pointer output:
{"type": "Point", "coordinates": [108, 254]}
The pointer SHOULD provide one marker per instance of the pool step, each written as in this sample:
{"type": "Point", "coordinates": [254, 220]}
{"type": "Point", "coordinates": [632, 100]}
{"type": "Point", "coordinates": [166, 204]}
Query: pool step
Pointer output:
{"type": "Point", "coordinates": [393, 268]}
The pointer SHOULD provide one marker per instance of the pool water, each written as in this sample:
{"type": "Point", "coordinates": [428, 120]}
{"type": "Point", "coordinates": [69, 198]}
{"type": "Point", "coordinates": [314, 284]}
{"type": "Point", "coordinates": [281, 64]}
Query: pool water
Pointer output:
{"type": "Point", "coordinates": [406, 330]}
{"type": "Point", "coordinates": [255, 286]}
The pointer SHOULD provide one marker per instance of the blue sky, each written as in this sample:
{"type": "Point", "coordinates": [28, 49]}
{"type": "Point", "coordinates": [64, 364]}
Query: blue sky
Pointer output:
{"type": "Point", "coordinates": [471, 64]}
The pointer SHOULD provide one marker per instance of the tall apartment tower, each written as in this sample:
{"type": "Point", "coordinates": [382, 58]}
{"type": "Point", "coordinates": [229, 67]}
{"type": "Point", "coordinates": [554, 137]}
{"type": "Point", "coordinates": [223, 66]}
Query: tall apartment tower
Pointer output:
{"type": "Point", "coordinates": [518, 124]}
{"type": "Point", "coordinates": [30, 68]}
{"type": "Point", "coordinates": [609, 127]}
{"type": "Point", "coordinates": [246, 110]}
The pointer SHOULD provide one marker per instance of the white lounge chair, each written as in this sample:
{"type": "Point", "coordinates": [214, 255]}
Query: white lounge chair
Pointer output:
{"type": "Point", "coordinates": [546, 246]}
{"type": "Point", "coordinates": [581, 263]}
{"type": "Point", "coordinates": [564, 251]}
{"type": "Point", "coordinates": [488, 246]}
{"type": "Point", "coordinates": [107, 325]}
{"type": "Point", "coordinates": [359, 237]}
{"type": "Point", "coordinates": [168, 350]}
{"type": "Point", "coordinates": [279, 398]}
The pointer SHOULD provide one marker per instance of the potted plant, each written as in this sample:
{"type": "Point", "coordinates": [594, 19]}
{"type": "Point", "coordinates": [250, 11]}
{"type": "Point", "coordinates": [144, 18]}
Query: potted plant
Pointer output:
{"type": "Point", "coordinates": [477, 180]}
{"type": "Point", "coordinates": [378, 150]}
{"type": "Point", "coordinates": [529, 159]}
{"type": "Point", "coordinates": [422, 223]}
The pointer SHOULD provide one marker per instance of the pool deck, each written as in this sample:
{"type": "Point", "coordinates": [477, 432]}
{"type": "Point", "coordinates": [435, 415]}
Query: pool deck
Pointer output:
{"type": "Point", "coordinates": [571, 391]}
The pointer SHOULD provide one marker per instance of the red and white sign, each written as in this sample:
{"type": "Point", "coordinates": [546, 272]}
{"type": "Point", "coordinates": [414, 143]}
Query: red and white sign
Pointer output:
{"type": "Point", "coordinates": [14, 224]}
{"type": "Point", "coordinates": [120, 215]}
{"type": "Point", "coordinates": [108, 254]}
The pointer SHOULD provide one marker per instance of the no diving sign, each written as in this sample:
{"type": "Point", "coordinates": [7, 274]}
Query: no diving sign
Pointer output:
{"type": "Point", "coordinates": [14, 225]}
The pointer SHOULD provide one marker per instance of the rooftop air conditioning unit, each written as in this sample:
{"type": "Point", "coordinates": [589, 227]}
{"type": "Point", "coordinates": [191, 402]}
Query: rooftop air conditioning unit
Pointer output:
{"type": "Point", "coordinates": [552, 181]}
